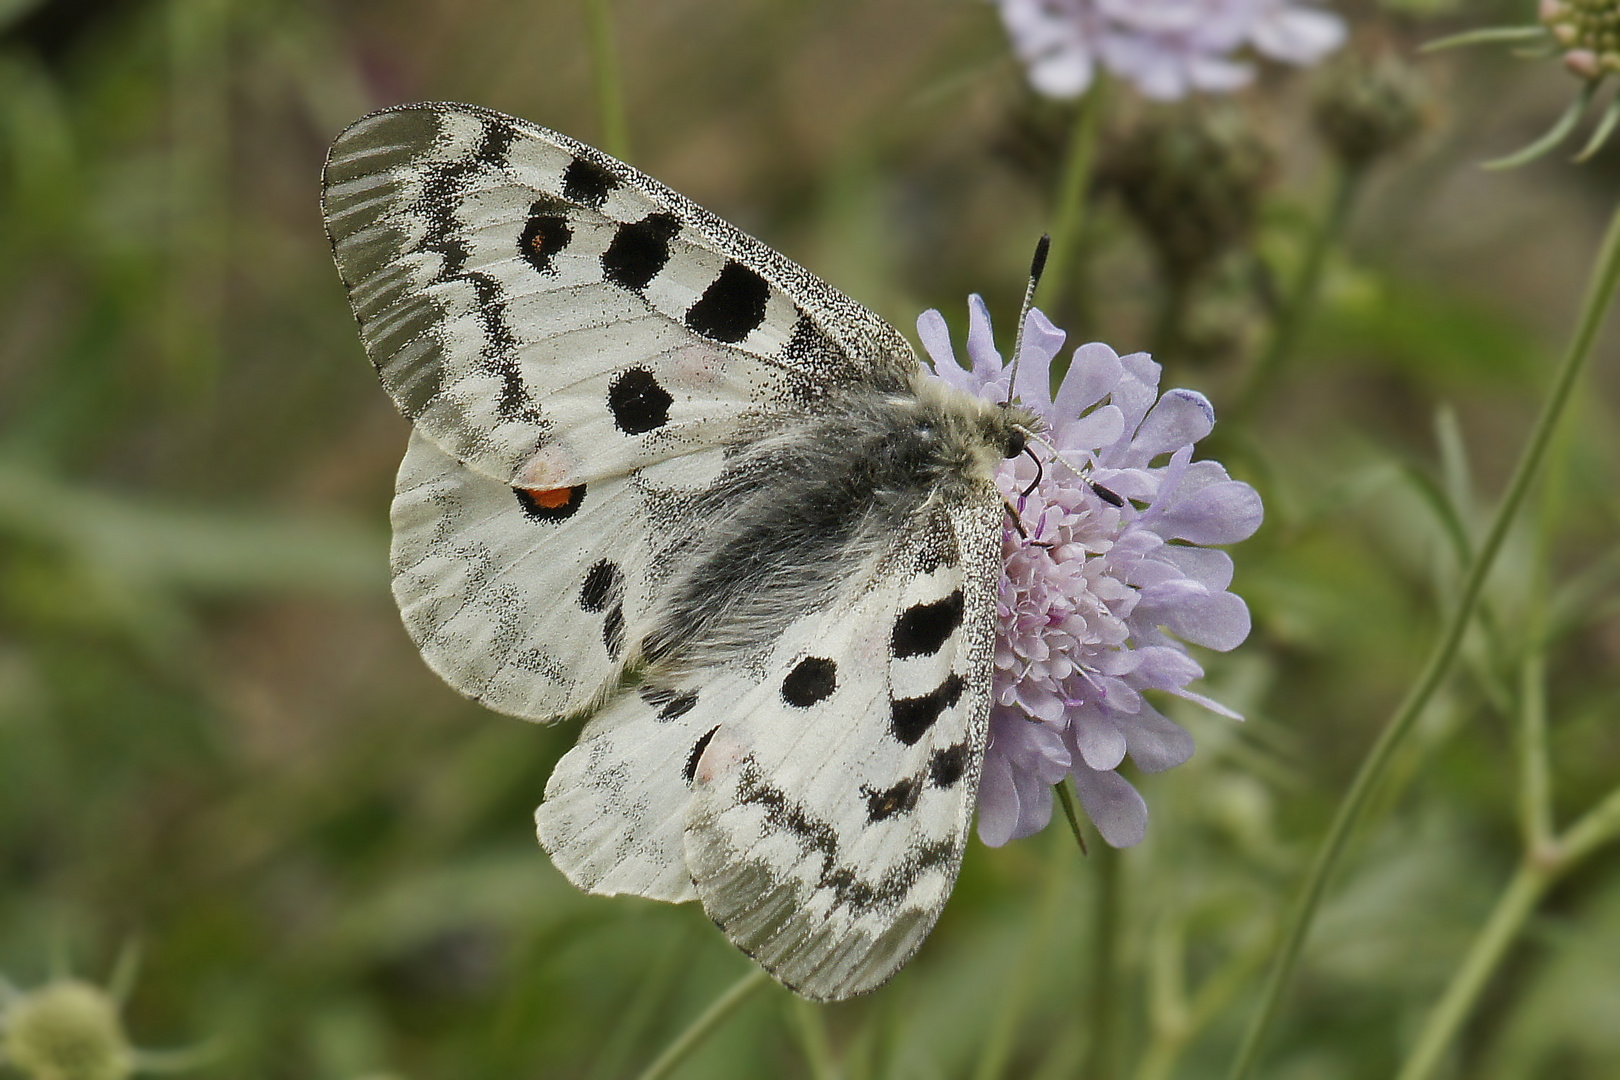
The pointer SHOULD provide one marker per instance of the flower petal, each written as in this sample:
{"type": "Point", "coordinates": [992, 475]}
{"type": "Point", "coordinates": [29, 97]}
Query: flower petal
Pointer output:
{"type": "Point", "coordinates": [981, 341]}
{"type": "Point", "coordinates": [1210, 567]}
{"type": "Point", "coordinates": [1156, 742]}
{"type": "Point", "coordinates": [1298, 35]}
{"type": "Point", "coordinates": [998, 801]}
{"type": "Point", "coordinates": [936, 341]}
{"type": "Point", "coordinates": [1113, 805]}
{"type": "Point", "coordinates": [1219, 621]}
{"type": "Point", "coordinates": [1221, 513]}
{"type": "Point", "coordinates": [1042, 341]}
{"type": "Point", "coordinates": [1099, 741]}
{"type": "Point", "coordinates": [1181, 418]}
{"type": "Point", "coordinates": [1093, 372]}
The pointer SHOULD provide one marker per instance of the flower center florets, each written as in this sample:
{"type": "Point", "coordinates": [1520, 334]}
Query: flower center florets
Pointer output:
{"type": "Point", "coordinates": [1589, 31]}
{"type": "Point", "coordinates": [1062, 605]}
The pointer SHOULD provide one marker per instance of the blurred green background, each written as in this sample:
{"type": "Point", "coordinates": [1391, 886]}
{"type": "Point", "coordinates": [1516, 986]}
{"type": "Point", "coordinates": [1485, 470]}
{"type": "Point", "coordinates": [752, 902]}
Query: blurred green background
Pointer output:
{"type": "Point", "coordinates": [217, 741]}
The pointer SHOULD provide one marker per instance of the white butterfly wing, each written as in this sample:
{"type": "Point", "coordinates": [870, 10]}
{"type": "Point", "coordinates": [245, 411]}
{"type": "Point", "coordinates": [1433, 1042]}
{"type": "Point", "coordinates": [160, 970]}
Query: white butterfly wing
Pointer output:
{"type": "Point", "coordinates": [613, 394]}
{"type": "Point", "coordinates": [816, 797]}
{"type": "Point", "coordinates": [550, 316]}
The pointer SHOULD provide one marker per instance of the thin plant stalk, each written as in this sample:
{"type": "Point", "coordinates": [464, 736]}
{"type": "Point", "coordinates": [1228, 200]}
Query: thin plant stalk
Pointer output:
{"type": "Point", "coordinates": [609, 87]}
{"type": "Point", "coordinates": [1599, 297]}
{"type": "Point", "coordinates": [998, 1043]}
{"type": "Point", "coordinates": [704, 1026]}
{"type": "Point", "coordinates": [1535, 775]}
{"type": "Point", "coordinates": [1541, 869]}
{"type": "Point", "coordinates": [1301, 301]}
{"type": "Point", "coordinates": [811, 1030]}
{"type": "Point", "coordinates": [1103, 1053]}
{"type": "Point", "coordinates": [1070, 206]}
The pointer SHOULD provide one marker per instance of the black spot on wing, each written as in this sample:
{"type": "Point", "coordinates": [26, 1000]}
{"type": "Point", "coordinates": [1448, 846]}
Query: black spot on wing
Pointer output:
{"type": "Point", "coordinates": [638, 403]}
{"type": "Point", "coordinates": [670, 704]}
{"type": "Point", "coordinates": [639, 250]}
{"type": "Point", "coordinates": [556, 505]}
{"type": "Point", "coordinates": [910, 718]}
{"type": "Point", "coordinates": [603, 582]}
{"type": "Point", "coordinates": [899, 799]}
{"type": "Point", "coordinates": [922, 629]}
{"type": "Point", "coordinates": [732, 305]}
{"type": "Point", "coordinates": [946, 765]}
{"type": "Point", "coordinates": [820, 836]}
{"type": "Point", "coordinates": [543, 237]}
{"type": "Point", "coordinates": [697, 752]}
{"type": "Point", "coordinates": [813, 679]}
{"type": "Point", "coordinates": [588, 183]}
{"type": "Point", "coordinates": [493, 148]}
{"type": "Point", "coordinates": [613, 631]}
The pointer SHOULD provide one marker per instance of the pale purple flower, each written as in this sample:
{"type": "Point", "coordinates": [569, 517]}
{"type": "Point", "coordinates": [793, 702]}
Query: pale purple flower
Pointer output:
{"type": "Point", "coordinates": [1114, 576]}
{"type": "Point", "coordinates": [1166, 48]}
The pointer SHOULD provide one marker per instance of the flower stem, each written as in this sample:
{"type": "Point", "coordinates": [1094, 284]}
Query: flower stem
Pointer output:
{"type": "Point", "coordinates": [1066, 800]}
{"type": "Point", "coordinates": [998, 1043]}
{"type": "Point", "coordinates": [1535, 784]}
{"type": "Point", "coordinates": [1296, 310]}
{"type": "Point", "coordinates": [805, 1016]}
{"type": "Point", "coordinates": [1103, 1054]}
{"type": "Point", "coordinates": [701, 1028]}
{"type": "Point", "coordinates": [1514, 906]}
{"type": "Point", "coordinates": [609, 88]}
{"type": "Point", "coordinates": [1542, 867]}
{"type": "Point", "coordinates": [1599, 297]}
{"type": "Point", "coordinates": [1071, 194]}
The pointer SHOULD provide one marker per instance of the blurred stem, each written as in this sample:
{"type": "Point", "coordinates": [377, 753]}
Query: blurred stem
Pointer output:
{"type": "Point", "coordinates": [1535, 786]}
{"type": "Point", "coordinates": [126, 969]}
{"type": "Point", "coordinates": [805, 1016]}
{"type": "Point", "coordinates": [609, 87]}
{"type": "Point", "coordinates": [199, 187]}
{"type": "Point", "coordinates": [998, 1044]}
{"type": "Point", "coordinates": [1072, 187]}
{"type": "Point", "coordinates": [1542, 867]}
{"type": "Point", "coordinates": [1178, 1020]}
{"type": "Point", "coordinates": [1599, 297]}
{"type": "Point", "coordinates": [1296, 310]}
{"type": "Point", "coordinates": [1103, 1055]}
{"type": "Point", "coordinates": [701, 1028]}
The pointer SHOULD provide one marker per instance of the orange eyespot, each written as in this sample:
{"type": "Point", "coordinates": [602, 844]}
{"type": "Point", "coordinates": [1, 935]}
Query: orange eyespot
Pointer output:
{"type": "Point", "coordinates": [553, 499]}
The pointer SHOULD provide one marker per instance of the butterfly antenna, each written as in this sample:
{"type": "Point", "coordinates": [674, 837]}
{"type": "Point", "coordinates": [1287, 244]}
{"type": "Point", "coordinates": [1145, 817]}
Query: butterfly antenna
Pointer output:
{"type": "Point", "coordinates": [1037, 266]}
{"type": "Point", "coordinates": [1057, 455]}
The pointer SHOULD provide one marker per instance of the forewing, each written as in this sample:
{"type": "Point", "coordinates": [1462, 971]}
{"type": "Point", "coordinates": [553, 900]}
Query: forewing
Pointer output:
{"type": "Point", "coordinates": [550, 316]}
{"type": "Point", "coordinates": [830, 809]}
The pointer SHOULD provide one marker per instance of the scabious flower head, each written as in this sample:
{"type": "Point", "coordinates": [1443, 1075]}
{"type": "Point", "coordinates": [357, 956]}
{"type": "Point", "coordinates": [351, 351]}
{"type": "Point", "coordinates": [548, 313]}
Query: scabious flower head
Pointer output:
{"type": "Point", "coordinates": [1109, 578]}
{"type": "Point", "coordinates": [1166, 48]}
{"type": "Point", "coordinates": [66, 1030]}
{"type": "Point", "coordinates": [1588, 31]}
{"type": "Point", "coordinates": [1191, 179]}
{"type": "Point", "coordinates": [1367, 106]}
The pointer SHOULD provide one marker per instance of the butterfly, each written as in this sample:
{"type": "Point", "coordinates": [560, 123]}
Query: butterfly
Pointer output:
{"type": "Point", "coordinates": [664, 478]}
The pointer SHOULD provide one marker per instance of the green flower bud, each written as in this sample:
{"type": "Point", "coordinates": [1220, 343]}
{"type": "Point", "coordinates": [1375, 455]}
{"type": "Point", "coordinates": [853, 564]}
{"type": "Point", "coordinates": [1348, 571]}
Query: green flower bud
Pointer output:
{"type": "Point", "coordinates": [66, 1030]}
{"type": "Point", "coordinates": [1589, 31]}
{"type": "Point", "coordinates": [1367, 106]}
{"type": "Point", "coordinates": [1191, 177]}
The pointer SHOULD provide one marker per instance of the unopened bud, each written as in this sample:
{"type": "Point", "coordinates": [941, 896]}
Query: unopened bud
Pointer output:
{"type": "Point", "coordinates": [1588, 30]}
{"type": "Point", "coordinates": [66, 1030]}
{"type": "Point", "coordinates": [1368, 106]}
{"type": "Point", "coordinates": [1191, 177]}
